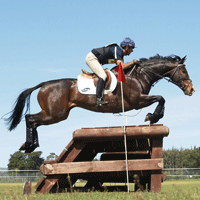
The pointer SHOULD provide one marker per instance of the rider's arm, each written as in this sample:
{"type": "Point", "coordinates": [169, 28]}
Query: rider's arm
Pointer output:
{"type": "Point", "coordinates": [126, 65]}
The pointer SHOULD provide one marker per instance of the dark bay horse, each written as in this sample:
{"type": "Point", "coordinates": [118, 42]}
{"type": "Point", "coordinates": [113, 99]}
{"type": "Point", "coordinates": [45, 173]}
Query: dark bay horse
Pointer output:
{"type": "Point", "coordinates": [57, 97]}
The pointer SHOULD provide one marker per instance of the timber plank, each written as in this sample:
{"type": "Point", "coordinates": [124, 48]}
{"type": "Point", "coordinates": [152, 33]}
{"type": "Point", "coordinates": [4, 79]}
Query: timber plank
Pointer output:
{"type": "Point", "coordinates": [101, 166]}
{"type": "Point", "coordinates": [67, 155]}
{"type": "Point", "coordinates": [40, 183]}
{"type": "Point", "coordinates": [49, 183]}
{"type": "Point", "coordinates": [77, 148]}
{"type": "Point", "coordinates": [73, 149]}
{"type": "Point", "coordinates": [91, 134]}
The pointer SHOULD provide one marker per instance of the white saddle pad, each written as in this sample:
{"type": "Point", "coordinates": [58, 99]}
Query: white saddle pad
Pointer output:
{"type": "Point", "coordinates": [86, 85]}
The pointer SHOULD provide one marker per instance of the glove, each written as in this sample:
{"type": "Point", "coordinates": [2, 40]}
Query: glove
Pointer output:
{"type": "Point", "coordinates": [136, 62]}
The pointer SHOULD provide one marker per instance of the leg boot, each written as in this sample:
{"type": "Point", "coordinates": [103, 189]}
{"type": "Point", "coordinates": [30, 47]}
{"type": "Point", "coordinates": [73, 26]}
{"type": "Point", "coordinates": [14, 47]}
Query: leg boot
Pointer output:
{"type": "Point", "coordinates": [35, 140]}
{"type": "Point", "coordinates": [29, 140]}
{"type": "Point", "coordinates": [99, 93]}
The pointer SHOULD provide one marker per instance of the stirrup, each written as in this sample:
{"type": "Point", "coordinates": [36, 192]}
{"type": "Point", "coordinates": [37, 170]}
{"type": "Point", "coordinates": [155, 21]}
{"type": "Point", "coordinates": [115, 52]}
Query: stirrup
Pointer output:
{"type": "Point", "coordinates": [100, 102]}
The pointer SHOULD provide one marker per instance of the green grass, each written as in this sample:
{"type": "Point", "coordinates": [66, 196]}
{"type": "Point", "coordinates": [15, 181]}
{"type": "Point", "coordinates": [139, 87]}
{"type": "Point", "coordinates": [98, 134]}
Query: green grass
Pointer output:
{"type": "Point", "coordinates": [171, 190]}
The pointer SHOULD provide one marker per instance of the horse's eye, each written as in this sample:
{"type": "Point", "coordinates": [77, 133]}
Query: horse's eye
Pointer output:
{"type": "Point", "coordinates": [184, 72]}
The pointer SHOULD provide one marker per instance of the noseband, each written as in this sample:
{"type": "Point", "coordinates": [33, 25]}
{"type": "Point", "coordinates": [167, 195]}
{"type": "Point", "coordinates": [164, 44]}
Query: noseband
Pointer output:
{"type": "Point", "coordinates": [180, 78]}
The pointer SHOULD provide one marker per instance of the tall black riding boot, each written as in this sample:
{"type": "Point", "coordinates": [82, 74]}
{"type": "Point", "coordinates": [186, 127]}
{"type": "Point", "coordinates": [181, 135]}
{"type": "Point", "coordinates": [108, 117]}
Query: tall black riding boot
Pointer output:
{"type": "Point", "coordinates": [99, 93]}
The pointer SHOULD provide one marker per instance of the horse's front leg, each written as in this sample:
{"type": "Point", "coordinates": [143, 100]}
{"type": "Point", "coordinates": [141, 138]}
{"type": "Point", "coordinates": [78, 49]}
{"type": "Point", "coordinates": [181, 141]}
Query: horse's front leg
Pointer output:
{"type": "Point", "coordinates": [147, 100]}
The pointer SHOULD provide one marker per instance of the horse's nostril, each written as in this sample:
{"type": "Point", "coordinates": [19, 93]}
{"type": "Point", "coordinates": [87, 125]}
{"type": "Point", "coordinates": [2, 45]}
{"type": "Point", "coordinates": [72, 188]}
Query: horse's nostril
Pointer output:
{"type": "Point", "coordinates": [192, 90]}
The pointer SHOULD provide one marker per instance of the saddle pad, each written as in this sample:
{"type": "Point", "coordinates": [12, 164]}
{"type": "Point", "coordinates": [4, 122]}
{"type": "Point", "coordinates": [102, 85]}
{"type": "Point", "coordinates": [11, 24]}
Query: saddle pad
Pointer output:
{"type": "Point", "coordinates": [86, 85]}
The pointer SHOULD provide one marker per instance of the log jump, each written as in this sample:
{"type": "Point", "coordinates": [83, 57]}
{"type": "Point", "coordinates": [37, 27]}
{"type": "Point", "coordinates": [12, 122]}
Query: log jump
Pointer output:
{"type": "Point", "coordinates": [145, 162]}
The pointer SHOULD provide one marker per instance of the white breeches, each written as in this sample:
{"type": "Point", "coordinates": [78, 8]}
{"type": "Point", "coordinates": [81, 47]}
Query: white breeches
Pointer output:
{"type": "Point", "coordinates": [95, 66]}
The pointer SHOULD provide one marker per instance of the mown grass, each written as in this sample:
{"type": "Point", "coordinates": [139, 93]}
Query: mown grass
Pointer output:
{"type": "Point", "coordinates": [171, 190]}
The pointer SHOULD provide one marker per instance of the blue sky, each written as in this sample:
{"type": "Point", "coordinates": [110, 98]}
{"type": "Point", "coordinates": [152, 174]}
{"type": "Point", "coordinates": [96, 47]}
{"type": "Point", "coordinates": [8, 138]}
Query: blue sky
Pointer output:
{"type": "Point", "coordinates": [46, 40]}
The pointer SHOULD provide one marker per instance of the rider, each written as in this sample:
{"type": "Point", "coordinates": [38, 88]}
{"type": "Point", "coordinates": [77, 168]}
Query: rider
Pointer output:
{"type": "Point", "coordinates": [108, 55]}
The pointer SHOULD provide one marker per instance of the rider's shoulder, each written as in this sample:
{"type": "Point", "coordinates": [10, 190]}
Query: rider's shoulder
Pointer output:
{"type": "Point", "coordinates": [112, 44]}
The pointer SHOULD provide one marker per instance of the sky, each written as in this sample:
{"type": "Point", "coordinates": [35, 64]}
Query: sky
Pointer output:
{"type": "Point", "coordinates": [47, 40]}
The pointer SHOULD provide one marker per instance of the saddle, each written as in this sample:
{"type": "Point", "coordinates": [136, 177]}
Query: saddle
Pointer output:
{"type": "Point", "coordinates": [96, 78]}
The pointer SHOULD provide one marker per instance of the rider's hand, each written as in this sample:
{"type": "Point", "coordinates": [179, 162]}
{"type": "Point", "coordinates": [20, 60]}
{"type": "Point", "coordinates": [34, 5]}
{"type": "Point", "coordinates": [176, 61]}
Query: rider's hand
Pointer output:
{"type": "Point", "coordinates": [136, 62]}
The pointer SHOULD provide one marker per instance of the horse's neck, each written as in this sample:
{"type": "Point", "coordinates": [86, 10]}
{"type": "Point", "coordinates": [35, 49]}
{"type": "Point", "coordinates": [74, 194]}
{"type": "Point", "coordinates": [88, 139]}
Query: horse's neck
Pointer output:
{"type": "Point", "coordinates": [160, 70]}
{"type": "Point", "coordinates": [150, 75]}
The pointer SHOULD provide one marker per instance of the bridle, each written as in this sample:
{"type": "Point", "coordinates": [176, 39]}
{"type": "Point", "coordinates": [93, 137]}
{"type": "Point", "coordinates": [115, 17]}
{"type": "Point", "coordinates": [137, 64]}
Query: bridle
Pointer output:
{"type": "Point", "coordinates": [180, 78]}
{"type": "Point", "coordinates": [170, 79]}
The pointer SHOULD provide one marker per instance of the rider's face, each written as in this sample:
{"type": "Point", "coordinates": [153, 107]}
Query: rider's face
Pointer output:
{"type": "Point", "coordinates": [128, 50]}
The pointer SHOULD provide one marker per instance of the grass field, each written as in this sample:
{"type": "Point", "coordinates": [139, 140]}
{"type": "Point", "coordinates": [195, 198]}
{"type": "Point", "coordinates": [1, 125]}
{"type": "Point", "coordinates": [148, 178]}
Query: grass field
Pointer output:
{"type": "Point", "coordinates": [179, 190]}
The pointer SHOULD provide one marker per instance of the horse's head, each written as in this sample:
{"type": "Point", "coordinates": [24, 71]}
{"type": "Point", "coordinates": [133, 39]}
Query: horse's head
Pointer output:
{"type": "Point", "coordinates": [180, 77]}
{"type": "Point", "coordinates": [158, 67]}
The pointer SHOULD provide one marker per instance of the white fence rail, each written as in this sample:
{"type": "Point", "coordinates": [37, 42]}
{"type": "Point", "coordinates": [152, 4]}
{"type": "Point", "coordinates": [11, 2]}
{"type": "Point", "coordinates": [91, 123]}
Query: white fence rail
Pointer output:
{"type": "Point", "coordinates": [35, 175]}
{"type": "Point", "coordinates": [20, 175]}
{"type": "Point", "coordinates": [182, 173]}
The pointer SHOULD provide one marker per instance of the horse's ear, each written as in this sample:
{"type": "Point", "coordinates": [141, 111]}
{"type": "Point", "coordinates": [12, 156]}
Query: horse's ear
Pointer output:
{"type": "Point", "coordinates": [182, 60]}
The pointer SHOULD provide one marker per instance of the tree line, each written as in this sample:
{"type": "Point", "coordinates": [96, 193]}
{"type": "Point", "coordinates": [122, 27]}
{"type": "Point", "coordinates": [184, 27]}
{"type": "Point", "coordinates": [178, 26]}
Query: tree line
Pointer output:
{"type": "Point", "coordinates": [28, 161]}
{"type": "Point", "coordinates": [182, 158]}
{"type": "Point", "coordinates": [174, 158]}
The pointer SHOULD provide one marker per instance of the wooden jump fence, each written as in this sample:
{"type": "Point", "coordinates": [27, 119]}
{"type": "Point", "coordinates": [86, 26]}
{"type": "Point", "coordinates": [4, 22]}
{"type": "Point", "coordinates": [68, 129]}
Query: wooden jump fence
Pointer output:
{"type": "Point", "coordinates": [145, 162]}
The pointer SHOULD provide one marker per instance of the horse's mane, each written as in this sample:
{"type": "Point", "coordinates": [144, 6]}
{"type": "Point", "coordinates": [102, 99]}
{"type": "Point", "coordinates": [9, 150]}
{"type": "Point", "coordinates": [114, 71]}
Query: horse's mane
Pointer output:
{"type": "Point", "coordinates": [172, 58]}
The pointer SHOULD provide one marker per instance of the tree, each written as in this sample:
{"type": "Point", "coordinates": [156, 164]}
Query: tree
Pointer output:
{"type": "Point", "coordinates": [33, 160]}
{"type": "Point", "coordinates": [17, 161]}
{"type": "Point", "coordinates": [23, 161]}
{"type": "Point", "coordinates": [192, 158]}
{"type": "Point", "coordinates": [52, 156]}
{"type": "Point", "coordinates": [183, 158]}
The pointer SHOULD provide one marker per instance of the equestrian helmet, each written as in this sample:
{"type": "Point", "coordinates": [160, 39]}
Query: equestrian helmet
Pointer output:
{"type": "Point", "coordinates": [127, 42]}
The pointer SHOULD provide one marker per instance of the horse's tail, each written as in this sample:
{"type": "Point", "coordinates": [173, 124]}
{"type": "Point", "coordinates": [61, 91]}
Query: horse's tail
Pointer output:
{"type": "Point", "coordinates": [16, 113]}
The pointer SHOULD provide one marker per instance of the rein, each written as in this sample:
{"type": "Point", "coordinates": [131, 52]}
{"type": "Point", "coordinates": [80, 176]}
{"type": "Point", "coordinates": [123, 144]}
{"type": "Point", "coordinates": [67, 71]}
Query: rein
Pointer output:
{"type": "Point", "coordinates": [168, 79]}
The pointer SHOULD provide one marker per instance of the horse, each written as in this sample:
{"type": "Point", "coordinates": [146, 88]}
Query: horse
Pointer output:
{"type": "Point", "coordinates": [57, 97]}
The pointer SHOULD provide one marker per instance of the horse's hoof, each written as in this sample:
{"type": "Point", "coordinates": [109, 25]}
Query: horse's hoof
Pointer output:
{"type": "Point", "coordinates": [28, 151]}
{"type": "Point", "coordinates": [23, 147]}
{"type": "Point", "coordinates": [31, 148]}
{"type": "Point", "coordinates": [28, 148]}
{"type": "Point", "coordinates": [147, 117]}
{"type": "Point", "coordinates": [152, 118]}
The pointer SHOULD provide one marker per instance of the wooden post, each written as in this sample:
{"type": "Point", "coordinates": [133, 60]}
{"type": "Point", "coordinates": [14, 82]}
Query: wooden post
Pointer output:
{"type": "Point", "coordinates": [156, 152]}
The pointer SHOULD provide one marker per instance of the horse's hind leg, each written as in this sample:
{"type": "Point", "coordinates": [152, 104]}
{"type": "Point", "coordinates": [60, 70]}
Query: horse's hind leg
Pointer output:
{"type": "Point", "coordinates": [35, 120]}
{"type": "Point", "coordinates": [31, 136]}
